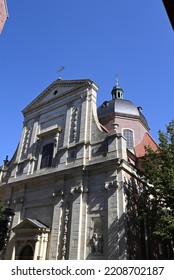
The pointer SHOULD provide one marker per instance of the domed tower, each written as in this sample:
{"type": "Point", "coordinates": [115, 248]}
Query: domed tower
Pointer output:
{"type": "Point", "coordinates": [129, 120]}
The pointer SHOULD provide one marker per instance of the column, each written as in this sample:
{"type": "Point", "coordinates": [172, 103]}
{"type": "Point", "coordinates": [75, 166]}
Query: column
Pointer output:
{"type": "Point", "coordinates": [45, 242]}
{"type": "Point", "coordinates": [36, 250]}
{"type": "Point", "coordinates": [13, 252]}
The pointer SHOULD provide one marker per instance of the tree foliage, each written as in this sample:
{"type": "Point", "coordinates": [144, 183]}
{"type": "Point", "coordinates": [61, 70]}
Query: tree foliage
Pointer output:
{"type": "Point", "coordinates": [159, 171]}
{"type": "Point", "coordinates": [3, 228]}
{"type": "Point", "coordinates": [1, 214]}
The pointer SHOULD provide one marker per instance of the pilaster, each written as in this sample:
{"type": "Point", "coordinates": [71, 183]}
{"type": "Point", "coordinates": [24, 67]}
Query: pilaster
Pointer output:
{"type": "Point", "coordinates": [76, 220]}
{"type": "Point", "coordinates": [55, 233]}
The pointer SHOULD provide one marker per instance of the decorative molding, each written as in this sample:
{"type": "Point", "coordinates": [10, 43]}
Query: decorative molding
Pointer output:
{"type": "Point", "coordinates": [26, 142]}
{"type": "Point", "coordinates": [46, 133]}
{"type": "Point", "coordinates": [65, 234]}
{"type": "Point", "coordinates": [74, 124]}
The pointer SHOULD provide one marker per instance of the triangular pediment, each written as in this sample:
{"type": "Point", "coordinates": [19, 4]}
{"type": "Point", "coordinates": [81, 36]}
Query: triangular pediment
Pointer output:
{"type": "Point", "coordinates": [29, 224]}
{"type": "Point", "coordinates": [56, 90]}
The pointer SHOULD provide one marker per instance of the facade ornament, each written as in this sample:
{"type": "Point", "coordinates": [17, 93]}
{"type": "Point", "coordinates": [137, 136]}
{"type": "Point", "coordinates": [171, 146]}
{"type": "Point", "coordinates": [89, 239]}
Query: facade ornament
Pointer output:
{"type": "Point", "coordinates": [74, 124]}
{"type": "Point", "coordinates": [96, 239]}
{"type": "Point", "coordinates": [6, 161]}
{"type": "Point", "coordinates": [78, 189]}
{"type": "Point", "coordinates": [76, 113]}
{"type": "Point", "coordinates": [115, 125]}
{"type": "Point", "coordinates": [85, 189]}
{"type": "Point", "coordinates": [97, 243]}
{"type": "Point", "coordinates": [86, 96]}
{"type": "Point", "coordinates": [18, 200]}
{"type": "Point", "coordinates": [32, 159]}
{"type": "Point", "coordinates": [64, 240]}
{"type": "Point", "coordinates": [26, 142]}
{"type": "Point", "coordinates": [58, 192]}
{"type": "Point", "coordinates": [111, 185]}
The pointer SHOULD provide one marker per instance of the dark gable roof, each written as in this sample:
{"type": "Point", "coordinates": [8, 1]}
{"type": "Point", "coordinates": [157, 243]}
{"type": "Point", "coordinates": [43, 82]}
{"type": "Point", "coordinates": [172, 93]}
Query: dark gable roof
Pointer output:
{"type": "Point", "coordinates": [30, 223]}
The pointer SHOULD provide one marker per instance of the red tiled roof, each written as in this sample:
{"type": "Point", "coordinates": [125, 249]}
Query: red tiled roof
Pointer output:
{"type": "Point", "coordinates": [147, 141]}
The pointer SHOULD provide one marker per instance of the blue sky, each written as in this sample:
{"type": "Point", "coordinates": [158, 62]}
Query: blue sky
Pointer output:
{"type": "Point", "coordinates": [92, 39]}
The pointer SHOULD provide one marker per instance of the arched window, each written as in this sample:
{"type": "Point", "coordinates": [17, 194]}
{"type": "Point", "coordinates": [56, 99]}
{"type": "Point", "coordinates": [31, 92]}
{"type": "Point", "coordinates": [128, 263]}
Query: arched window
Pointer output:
{"type": "Point", "coordinates": [26, 253]}
{"type": "Point", "coordinates": [128, 134]}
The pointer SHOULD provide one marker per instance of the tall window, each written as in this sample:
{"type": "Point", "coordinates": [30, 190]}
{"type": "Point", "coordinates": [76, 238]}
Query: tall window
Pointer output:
{"type": "Point", "coordinates": [47, 155]}
{"type": "Point", "coordinates": [128, 134]}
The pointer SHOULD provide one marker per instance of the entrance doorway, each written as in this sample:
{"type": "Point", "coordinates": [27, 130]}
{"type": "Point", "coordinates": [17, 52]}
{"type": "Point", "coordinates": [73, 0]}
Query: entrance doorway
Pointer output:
{"type": "Point", "coordinates": [26, 253]}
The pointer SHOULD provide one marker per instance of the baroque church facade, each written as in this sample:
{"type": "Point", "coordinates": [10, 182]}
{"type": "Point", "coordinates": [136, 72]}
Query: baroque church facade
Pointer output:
{"type": "Point", "coordinates": [66, 181]}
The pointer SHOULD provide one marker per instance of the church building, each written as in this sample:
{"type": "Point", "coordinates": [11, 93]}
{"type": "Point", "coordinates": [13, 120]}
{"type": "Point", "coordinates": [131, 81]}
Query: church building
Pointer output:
{"type": "Point", "coordinates": [3, 14]}
{"type": "Point", "coordinates": [67, 180]}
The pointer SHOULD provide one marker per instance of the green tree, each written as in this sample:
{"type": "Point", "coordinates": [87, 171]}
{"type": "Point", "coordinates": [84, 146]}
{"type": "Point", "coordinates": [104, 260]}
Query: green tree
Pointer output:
{"type": "Point", "coordinates": [3, 228]}
{"type": "Point", "coordinates": [159, 171]}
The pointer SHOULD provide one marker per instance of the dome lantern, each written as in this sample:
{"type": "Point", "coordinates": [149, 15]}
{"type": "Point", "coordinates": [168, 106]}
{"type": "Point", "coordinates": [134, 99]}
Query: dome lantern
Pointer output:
{"type": "Point", "coordinates": [117, 91]}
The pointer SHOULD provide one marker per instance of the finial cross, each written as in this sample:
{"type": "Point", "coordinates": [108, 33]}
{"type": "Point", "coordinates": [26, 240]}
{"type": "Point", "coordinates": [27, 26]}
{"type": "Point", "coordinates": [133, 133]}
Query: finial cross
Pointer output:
{"type": "Point", "coordinates": [116, 79]}
{"type": "Point", "coordinates": [61, 68]}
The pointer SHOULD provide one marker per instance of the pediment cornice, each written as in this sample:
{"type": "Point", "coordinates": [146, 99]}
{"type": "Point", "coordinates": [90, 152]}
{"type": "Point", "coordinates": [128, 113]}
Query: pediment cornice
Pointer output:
{"type": "Point", "coordinates": [30, 224]}
{"type": "Point", "coordinates": [69, 86]}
